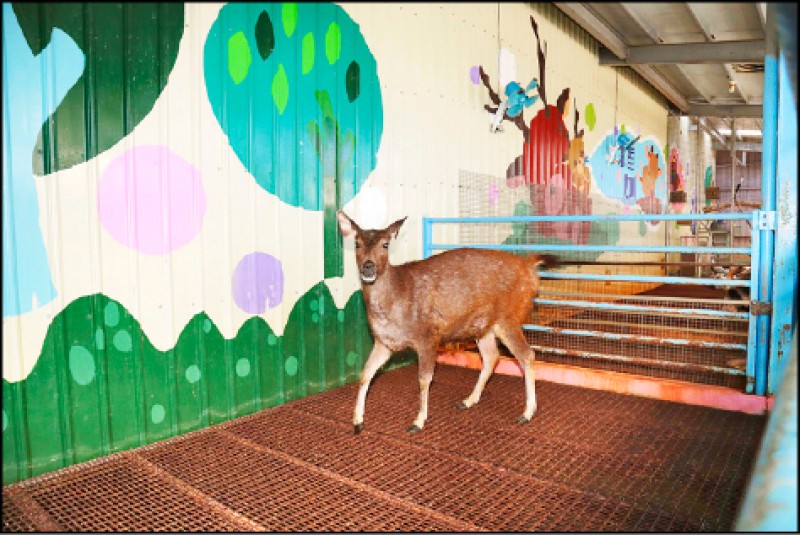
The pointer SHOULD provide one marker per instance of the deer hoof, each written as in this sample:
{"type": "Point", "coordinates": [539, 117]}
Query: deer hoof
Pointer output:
{"type": "Point", "coordinates": [523, 420]}
{"type": "Point", "coordinates": [357, 428]}
{"type": "Point", "coordinates": [463, 406]}
{"type": "Point", "coordinates": [414, 429]}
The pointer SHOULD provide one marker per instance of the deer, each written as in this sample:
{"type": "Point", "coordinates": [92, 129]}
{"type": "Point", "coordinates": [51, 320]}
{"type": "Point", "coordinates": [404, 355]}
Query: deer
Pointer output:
{"type": "Point", "coordinates": [458, 295]}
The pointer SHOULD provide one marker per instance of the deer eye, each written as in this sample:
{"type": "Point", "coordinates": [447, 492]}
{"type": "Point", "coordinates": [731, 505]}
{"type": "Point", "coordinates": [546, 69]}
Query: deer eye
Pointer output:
{"type": "Point", "coordinates": [386, 245]}
{"type": "Point", "coordinates": [358, 244]}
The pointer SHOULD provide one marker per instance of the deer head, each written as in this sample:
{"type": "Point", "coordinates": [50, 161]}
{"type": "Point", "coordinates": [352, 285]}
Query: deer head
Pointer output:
{"type": "Point", "coordinates": [372, 246]}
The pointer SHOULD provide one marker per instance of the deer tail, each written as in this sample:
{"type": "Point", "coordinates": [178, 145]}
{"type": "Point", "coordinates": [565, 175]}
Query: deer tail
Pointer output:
{"type": "Point", "coordinates": [545, 260]}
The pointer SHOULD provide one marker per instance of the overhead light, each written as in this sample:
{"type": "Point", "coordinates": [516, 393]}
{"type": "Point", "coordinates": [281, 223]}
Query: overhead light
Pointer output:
{"type": "Point", "coordinates": [732, 86]}
{"type": "Point", "coordinates": [743, 133]}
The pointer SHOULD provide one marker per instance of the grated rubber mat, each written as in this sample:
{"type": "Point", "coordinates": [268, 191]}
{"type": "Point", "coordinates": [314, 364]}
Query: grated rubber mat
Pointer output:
{"type": "Point", "coordinates": [588, 461]}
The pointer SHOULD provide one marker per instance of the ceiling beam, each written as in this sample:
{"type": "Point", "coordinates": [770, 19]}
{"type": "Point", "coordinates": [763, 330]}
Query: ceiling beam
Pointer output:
{"type": "Point", "coordinates": [709, 36]}
{"type": "Point", "coordinates": [586, 18]}
{"type": "Point", "coordinates": [726, 110]}
{"type": "Point", "coordinates": [702, 122]}
{"type": "Point", "coordinates": [752, 51]}
{"type": "Point", "coordinates": [747, 146]}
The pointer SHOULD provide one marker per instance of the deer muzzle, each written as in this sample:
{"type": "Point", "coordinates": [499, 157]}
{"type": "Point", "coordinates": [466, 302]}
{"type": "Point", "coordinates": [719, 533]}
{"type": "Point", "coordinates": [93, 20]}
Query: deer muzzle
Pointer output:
{"type": "Point", "coordinates": [369, 272]}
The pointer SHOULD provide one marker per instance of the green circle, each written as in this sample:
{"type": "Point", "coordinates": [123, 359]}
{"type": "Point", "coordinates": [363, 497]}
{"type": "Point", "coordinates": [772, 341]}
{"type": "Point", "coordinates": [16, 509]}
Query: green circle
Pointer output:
{"type": "Point", "coordinates": [207, 325]}
{"type": "Point", "coordinates": [340, 316]}
{"type": "Point", "coordinates": [314, 305]}
{"type": "Point", "coordinates": [81, 365]}
{"type": "Point", "coordinates": [111, 314]}
{"type": "Point", "coordinates": [157, 413]}
{"type": "Point", "coordinates": [333, 43]}
{"type": "Point", "coordinates": [272, 339]}
{"type": "Point", "coordinates": [351, 358]}
{"type": "Point", "coordinates": [315, 317]}
{"type": "Point", "coordinates": [242, 367]}
{"type": "Point", "coordinates": [291, 366]}
{"type": "Point", "coordinates": [193, 373]}
{"type": "Point", "coordinates": [99, 338]}
{"type": "Point", "coordinates": [122, 341]}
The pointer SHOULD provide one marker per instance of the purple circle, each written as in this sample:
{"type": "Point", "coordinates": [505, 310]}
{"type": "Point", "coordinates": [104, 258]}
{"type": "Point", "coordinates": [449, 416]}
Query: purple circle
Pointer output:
{"type": "Point", "coordinates": [475, 74]}
{"type": "Point", "coordinates": [257, 283]}
{"type": "Point", "coordinates": [151, 200]}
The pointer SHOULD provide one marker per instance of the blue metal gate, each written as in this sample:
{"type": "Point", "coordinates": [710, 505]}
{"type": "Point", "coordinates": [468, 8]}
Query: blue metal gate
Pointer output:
{"type": "Point", "coordinates": [686, 335]}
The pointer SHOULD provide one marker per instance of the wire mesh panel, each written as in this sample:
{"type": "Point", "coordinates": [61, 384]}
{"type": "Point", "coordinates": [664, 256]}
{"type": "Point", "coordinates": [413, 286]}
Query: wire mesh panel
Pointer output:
{"type": "Point", "coordinates": [664, 336]}
{"type": "Point", "coordinates": [673, 312]}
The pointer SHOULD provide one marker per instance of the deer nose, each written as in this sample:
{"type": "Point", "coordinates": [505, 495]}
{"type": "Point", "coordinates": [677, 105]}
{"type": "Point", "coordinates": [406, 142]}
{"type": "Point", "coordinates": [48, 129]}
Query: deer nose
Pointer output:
{"type": "Point", "coordinates": [368, 271]}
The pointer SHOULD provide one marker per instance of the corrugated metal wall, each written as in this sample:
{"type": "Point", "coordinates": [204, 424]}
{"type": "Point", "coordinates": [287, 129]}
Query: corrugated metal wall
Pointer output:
{"type": "Point", "coordinates": [171, 174]}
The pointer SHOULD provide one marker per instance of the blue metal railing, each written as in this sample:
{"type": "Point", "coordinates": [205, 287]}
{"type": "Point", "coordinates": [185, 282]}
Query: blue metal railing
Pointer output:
{"type": "Point", "coordinates": [756, 366]}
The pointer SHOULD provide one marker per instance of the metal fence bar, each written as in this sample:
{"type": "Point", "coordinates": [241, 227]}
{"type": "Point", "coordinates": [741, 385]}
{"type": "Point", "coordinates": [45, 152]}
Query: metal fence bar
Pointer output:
{"type": "Point", "coordinates": [752, 366]}
{"type": "Point", "coordinates": [636, 337]}
{"type": "Point", "coordinates": [427, 230]}
{"type": "Point", "coordinates": [637, 361]}
{"type": "Point", "coordinates": [635, 297]}
{"type": "Point", "coordinates": [643, 278]}
{"type": "Point", "coordinates": [595, 248]}
{"type": "Point", "coordinates": [785, 250]}
{"type": "Point", "coordinates": [594, 217]}
{"type": "Point", "coordinates": [643, 309]}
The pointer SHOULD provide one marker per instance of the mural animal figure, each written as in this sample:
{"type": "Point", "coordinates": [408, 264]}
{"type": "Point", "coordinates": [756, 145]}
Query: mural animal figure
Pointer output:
{"type": "Point", "coordinates": [458, 295]}
{"type": "Point", "coordinates": [581, 173]}
{"type": "Point", "coordinates": [518, 98]}
{"type": "Point", "coordinates": [650, 173]}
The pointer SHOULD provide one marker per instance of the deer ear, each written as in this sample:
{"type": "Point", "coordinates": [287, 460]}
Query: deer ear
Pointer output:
{"type": "Point", "coordinates": [346, 225]}
{"type": "Point", "coordinates": [394, 228]}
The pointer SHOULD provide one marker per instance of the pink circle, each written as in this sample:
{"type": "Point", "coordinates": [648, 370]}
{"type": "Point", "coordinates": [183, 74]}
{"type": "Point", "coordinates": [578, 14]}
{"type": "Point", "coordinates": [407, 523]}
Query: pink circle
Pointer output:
{"type": "Point", "coordinates": [152, 200]}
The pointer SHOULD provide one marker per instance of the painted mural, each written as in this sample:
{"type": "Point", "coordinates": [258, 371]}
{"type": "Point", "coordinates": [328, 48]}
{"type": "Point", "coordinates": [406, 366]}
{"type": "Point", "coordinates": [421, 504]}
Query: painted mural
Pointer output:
{"type": "Point", "coordinates": [171, 175]}
{"type": "Point", "coordinates": [295, 90]}
{"type": "Point", "coordinates": [121, 392]}
{"type": "Point", "coordinates": [48, 126]}
{"type": "Point", "coordinates": [559, 171]}
{"type": "Point", "coordinates": [311, 141]}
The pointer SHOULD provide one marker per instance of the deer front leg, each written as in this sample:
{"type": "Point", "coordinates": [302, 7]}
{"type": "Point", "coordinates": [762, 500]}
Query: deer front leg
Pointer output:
{"type": "Point", "coordinates": [427, 364]}
{"type": "Point", "coordinates": [377, 358]}
{"type": "Point", "coordinates": [515, 341]}
{"type": "Point", "coordinates": [487, 346]}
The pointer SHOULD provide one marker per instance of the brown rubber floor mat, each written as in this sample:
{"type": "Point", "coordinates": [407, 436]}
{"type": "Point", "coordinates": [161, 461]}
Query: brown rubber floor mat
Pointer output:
{"type": "Point", "coordinates": [588, 461]}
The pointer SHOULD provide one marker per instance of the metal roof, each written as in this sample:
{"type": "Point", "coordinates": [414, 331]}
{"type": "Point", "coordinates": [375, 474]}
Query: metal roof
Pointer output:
{"type": "Point", "coordinates": [705, 58]}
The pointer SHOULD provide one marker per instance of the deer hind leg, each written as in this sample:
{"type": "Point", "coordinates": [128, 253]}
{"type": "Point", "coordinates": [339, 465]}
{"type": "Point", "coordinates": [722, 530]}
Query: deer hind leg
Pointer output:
{"type": "Point", "coordinates": [516, 343]}
{"type": "Point", "coordinates": [489, 354]}
{"type": "Point", "coordinates": [377, 358]}
{"type": "Point", "coordinates": [427, 364]}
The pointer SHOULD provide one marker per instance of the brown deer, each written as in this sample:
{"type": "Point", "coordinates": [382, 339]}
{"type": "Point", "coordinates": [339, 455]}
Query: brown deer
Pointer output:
{"type": "Point", "coordinates": [458, 295]}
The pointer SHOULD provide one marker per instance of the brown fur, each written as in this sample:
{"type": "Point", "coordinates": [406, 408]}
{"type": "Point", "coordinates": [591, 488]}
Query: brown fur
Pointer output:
{"type": "Point", "coordinates": [458, 295]}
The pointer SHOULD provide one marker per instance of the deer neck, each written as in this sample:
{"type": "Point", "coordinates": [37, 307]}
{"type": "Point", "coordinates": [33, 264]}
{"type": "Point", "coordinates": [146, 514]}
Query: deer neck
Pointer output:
{"type": "Point", "coordinates": [386, 289]}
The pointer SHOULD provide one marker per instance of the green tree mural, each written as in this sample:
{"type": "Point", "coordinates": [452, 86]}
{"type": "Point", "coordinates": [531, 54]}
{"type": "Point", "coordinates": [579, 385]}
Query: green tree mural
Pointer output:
{"type": "Point", "coordinates": [100, 386]}
{"type": "Point", "coordinates": [130, 51]}
{"type": "Point", "coordinates": [295, 89]}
